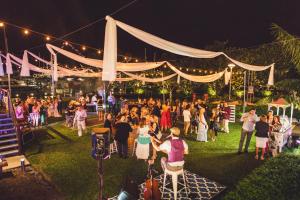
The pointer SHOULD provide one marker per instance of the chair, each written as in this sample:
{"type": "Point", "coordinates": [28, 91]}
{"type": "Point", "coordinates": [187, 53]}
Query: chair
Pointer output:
{"type": "Point", "coordinates": [175, 175]}
{"type": "Point", "coordinates": [113, 147]}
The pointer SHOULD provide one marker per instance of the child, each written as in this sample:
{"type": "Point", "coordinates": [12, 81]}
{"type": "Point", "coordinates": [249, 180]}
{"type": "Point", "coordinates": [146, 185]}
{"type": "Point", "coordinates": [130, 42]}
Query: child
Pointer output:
{"type": "Point", "coordinates": [35, 115]}
{"type": "Point", "coordinates": [262, 129]}
{"type": "Point", "coordinates": [70, 112]}
{"type": "Point", "coordinates": [80, 117]}
{"type": "Point", "coordinates": [143, 148]}
{"type": "Point", "coordinates": [43, 113]}
{"type": "Point", "coordinates": [213, 125]}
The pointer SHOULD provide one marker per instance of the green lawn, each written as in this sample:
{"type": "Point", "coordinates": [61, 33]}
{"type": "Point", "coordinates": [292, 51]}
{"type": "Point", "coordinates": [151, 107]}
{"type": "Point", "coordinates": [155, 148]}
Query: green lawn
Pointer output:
{"type": "Point", "coordinates": [65, 159]}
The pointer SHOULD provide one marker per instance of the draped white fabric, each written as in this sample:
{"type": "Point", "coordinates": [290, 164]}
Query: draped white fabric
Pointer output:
{"type": "Point", "coordinates": [25, 68]}
{"type": "Point", "coordinates": [9, 69]}
{"type": "Point", "coordinates": [199, 79]}
{"type": "Point", "coordinates": [62, 72]}
{"type": "Point", "coordinates": [1, 67]}
{"type": "Point", "coordinates": [40, 59]}
{"type": "Point", "coordinates": [271, 76]}
{"type": "Point", "coordinates": [55, 66]}
{"type": "Point", "coordinates": [150, 80]}
{"type": "Point", "coordinates": [110, 58]}
{"type": "Point", "coordinates": [164, 44]}
{"type": "Point", "coordinates": [128, 67]}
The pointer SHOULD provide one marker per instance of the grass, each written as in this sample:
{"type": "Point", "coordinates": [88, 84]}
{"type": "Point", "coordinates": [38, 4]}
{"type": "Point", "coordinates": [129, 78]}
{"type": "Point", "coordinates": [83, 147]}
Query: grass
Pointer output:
{"type": "Point", "coordinates": [65, 159]}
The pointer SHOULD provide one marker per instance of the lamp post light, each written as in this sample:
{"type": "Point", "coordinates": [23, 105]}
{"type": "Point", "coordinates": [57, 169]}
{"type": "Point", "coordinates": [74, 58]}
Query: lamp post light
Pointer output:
{"type": "Point", "coordinates": [2, 25]}
{"type": "Point", "coordinates": [231, 65]}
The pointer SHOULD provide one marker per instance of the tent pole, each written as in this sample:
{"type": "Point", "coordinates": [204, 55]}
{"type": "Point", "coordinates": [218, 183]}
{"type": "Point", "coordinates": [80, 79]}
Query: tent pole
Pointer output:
{"type": "Point", "coordinates": [244, 104]}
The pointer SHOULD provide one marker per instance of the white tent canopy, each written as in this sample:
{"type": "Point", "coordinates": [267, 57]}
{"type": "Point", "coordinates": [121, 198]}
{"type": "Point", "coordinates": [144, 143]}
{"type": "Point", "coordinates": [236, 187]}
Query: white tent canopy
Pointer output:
{"type": "Point", "coordinates": [110, 49]}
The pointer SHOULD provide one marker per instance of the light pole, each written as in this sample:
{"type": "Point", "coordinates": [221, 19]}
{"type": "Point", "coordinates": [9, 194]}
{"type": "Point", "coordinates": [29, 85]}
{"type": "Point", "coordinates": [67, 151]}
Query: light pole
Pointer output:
{"type": "Point", "coordinates": [231, 65]}
{"type": "Point", "coordinates": [2, 25]}
{"type": "Point", "coordinates": [244, 104]}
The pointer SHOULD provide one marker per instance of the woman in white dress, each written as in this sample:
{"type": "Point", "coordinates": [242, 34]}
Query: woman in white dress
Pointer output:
{"type": "Point", "coordinates": [202, 127]}
{"type": "Point", "coordinates": [50, 108]}
{"type": "Point", "coordinates": [143, 140]}
{"type": "Point", "coordinates": [55, 108]}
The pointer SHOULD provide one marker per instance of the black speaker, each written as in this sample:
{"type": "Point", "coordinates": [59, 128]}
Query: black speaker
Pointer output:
{"type": "Point", "coordinates": [130, 190]}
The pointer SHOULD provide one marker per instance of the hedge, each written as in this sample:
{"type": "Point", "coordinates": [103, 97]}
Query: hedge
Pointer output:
{"type": "Point", "coordinates": [277, 179]}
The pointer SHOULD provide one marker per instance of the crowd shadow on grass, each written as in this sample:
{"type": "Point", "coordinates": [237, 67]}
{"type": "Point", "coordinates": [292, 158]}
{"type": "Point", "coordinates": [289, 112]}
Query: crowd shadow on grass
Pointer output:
{"type": "Point", "coordinates": [67, 139]}
{"type": "Point", "coordinates": [226, 169]}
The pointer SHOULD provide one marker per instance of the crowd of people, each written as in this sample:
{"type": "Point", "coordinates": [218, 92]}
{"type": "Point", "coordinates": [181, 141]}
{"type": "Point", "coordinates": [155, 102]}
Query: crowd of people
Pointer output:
{"type": "Point", "coordinates": [37, 111]}
{"type": "Point", "coordinates": [266, 127]}
{"type": "Point", "coordinates": [150, 119]}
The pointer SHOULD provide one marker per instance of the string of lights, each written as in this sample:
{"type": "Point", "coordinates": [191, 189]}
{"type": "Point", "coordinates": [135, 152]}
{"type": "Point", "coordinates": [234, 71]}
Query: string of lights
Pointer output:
{"type": "Point", "coordinates": [65, 43]}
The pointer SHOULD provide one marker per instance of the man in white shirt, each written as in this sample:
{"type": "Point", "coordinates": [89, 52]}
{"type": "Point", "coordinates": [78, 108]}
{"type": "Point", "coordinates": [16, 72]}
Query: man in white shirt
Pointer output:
{"type": "Point", "coordinates": [80, 116]}
{"type": "Point", "coordinates": [249, 119]}
{"type": "Point", "coordinates": [186, 119]}
{"type": "Point", "coordinates": [175, 148]}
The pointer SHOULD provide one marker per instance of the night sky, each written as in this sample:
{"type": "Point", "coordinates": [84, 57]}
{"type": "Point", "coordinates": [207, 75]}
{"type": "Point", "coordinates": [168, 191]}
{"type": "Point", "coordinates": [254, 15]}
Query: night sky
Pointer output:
{"type": "Point", "coordinates": [196, 23]}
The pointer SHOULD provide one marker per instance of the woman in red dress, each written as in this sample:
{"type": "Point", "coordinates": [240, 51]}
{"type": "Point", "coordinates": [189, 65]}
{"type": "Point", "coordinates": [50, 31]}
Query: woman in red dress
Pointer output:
{"type": "Point", "coordinates": [165, 121]}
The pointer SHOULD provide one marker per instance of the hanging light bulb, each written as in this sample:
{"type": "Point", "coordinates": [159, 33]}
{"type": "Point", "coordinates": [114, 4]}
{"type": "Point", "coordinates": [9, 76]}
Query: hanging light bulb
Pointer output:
{"type": "Point", "coordinates": [136, 60]}
{"type": "Point", "coordinates": [199, 70]}
{"type": "Point", "coordinates": [187, 69]}
{"type": "Point", "coordinates": [66, 43]}
{"type": "Point", "coordinates": [194, 70]}
{"type": "Point", "coordinates": [26, 32]}
{"type": "Point", "coordinates": [99, 52]}
{"type": "Point", "coordinates": [83, 48]}
{"type": "Point", "coordinates": [125, 58]}
{"type": "Point", "coordinates": [180, 68]}
{"type": "Point", "coordinates": [48, 38]}
{"type": "Point", "coordinates": [1, 24]}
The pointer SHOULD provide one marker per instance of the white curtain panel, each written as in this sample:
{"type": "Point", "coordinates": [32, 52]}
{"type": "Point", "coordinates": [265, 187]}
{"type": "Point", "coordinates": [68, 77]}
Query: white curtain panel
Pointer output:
{"type": "Point", "coordinates": [150, 80]}
{"type": "Point", "coordinates": [8, 64]}
{"type": "Point", "coordinates": [25, 71]}
{"type": "Point", "coordinates": [199, 79]}
{"type": "Point", "coordinates": [1, 67]}
{"type": "Point", "coordinates": [163, 44]}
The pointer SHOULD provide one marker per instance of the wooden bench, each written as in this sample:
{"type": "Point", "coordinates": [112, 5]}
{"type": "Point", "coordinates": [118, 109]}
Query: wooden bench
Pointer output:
{"type": "Point", "coordinates": [3, 163]}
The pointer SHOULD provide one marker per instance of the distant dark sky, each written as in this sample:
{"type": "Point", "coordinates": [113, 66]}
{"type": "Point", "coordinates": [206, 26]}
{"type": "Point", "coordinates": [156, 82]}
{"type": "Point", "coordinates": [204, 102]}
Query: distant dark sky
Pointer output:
{"type": "Point", "coordinates": [195, 23]}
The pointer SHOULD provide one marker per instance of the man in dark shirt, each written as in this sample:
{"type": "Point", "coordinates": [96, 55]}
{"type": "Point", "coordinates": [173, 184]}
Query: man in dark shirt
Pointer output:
{"type": "Point", "coordinates": [262, 130]}
{"type": "Point", "coordinates": [122, 133]}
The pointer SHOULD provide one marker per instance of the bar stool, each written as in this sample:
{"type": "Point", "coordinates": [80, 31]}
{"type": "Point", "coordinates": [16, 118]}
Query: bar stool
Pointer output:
{"type": "Point", "coordinates": [175, 175]}
{"type": "Point", "coordinates": [113, 148]}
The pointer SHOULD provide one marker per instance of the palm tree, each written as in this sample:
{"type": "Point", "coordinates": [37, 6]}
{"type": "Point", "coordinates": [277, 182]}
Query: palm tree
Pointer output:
{"type": "Point", "coordinates": [291, 47]}
{"type": "Point", "coordinates": [290, 44]}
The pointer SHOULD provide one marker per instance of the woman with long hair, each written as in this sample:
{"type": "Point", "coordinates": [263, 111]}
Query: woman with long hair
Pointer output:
{"type": "Point", "coordinates": [202, 127]}
{"type": "Point", "coordinates": [275, 130]}
{"type": "Point", "coordinates": [165, 121]}
{"type": "Point", "coordinates": [213, 124]}
{"type": "Point", "coordinates": [143, 140]}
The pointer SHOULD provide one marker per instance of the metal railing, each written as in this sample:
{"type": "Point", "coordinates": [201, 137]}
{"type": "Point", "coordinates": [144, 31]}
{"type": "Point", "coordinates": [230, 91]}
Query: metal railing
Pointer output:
{"type": "Point", "coordinates": [12, 114]}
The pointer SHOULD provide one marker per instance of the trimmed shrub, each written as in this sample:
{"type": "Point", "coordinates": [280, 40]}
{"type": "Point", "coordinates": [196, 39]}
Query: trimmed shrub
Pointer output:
{"type": "Point", "coordinates": [277, 179]}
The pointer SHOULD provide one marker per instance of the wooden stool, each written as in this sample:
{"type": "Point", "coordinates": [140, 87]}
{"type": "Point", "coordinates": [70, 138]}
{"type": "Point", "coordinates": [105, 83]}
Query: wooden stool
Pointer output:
{"type": "Point", "coordinates": [3, 163]}
{"type": "Point", "coordinates": [113, 148]}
